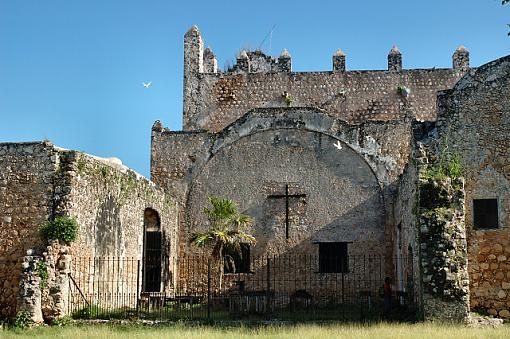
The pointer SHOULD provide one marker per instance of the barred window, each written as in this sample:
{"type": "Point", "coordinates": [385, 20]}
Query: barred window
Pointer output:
{"type": "Point", "coordinates": [485, 214]}
{"type": "Point", "coordinates": [333, 257]}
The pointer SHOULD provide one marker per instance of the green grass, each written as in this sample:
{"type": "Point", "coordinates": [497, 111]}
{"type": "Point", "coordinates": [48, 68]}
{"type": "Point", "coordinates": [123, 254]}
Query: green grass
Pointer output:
{"type": "Point", "coordinates": [219, 312]}
{"type": "Point", "coordinates": [380, 330]}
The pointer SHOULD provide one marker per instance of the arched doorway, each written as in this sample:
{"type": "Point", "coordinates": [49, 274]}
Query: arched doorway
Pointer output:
{"type": "Point", "coordinates": [152, 251]}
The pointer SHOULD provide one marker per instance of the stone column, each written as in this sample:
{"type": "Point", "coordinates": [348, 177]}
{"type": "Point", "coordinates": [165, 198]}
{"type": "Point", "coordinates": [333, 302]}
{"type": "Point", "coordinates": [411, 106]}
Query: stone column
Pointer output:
{"type": "Point", "coordinates": [55, 297]}
{"type": "Point", "coordinates": [461, 58]}
{"type": "Point", "coordinates": [285, 61]}
{"type": "Point", "coordinates": [48, 300]}
{"type": "Point", "coordinates": [395, 60]}
{"type": "Point", "coordinates": [243, 62]}
{"type": "Point", "coordinates": [193, 52]}
{"type": "Point", "coordinates": [210, 62]}
{"type": "Point", "coordinates": [443, 245]}
{"type": "Point", "coordinates": [29, 296]}
{"type": "Point", "coordinates": [339, 61]}
{"type": "Point", "coordinates": [193, 65]}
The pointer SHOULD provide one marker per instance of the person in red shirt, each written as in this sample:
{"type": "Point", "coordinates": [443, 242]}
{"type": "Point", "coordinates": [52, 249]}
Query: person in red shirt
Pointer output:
{"type": "Point", "coordinates": [387, 297]}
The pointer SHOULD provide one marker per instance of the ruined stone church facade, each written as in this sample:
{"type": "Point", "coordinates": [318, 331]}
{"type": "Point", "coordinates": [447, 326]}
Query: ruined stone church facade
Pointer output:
{"type": "Point", "coordinates": [362, 159]}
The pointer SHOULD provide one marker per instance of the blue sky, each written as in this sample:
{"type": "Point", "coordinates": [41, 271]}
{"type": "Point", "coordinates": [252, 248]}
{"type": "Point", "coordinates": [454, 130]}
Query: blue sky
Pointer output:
{"type": "Point", "coordinates": [72, 71]}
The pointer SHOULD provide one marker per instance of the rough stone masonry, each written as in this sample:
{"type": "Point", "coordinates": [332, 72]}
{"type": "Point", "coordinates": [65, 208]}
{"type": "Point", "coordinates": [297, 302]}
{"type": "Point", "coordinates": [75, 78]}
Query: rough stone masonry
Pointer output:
{"type": "Point", "coordinates": [39, 181]}
{"type": "Point", "coordinates": [258, 127]}
{"type": "Point", "coordinates": [407, 163]}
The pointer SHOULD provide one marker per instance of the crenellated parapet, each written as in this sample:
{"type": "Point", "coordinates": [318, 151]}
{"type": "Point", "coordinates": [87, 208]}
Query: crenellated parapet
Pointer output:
{"type": "Point", "coordinates": [213, 98]}
{"type": "Point", "coordinates": [259, 62]}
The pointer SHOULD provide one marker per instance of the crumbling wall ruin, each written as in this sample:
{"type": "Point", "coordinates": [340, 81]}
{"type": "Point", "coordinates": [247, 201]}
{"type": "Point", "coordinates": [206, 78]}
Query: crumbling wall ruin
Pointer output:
{"type": "Point", "coordinates": [474, 124]}
{"type": "Point", "coordinates": [442, 235]}
{"type": "Point", "coordinates": [26, 201]}
{"type": "Point", "coordinates": [39, 181]}
{"type": "Point", "coordinates": [44, 283]}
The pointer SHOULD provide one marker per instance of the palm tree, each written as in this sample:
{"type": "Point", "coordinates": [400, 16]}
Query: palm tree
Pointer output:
{"type": "Point", "coordinates": [225, 231]}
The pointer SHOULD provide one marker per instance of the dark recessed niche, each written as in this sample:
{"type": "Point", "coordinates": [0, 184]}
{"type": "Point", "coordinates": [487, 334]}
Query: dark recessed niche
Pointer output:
{"type": "Point", "coordinates": [485, 214]}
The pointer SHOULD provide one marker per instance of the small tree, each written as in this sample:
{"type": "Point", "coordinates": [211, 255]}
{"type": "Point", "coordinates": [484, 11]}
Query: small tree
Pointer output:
{"type": "Point", "coordinates": [225, 231]}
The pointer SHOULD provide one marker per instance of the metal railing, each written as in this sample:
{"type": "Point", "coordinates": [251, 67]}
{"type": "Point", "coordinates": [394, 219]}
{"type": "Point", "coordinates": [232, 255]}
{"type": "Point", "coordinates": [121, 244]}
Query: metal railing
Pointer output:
{"type": "Point", "coordinates": [289, 287]}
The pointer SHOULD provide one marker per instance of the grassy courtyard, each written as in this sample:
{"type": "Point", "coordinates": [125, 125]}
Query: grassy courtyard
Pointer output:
{"type": "Point", "coordinates": [381, 330]}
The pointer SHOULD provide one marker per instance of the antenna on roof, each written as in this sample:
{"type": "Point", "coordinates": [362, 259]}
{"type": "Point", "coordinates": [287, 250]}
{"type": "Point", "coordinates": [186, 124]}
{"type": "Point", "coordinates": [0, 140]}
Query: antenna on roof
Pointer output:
{"type": "Point", "coordinates": [270, 35]}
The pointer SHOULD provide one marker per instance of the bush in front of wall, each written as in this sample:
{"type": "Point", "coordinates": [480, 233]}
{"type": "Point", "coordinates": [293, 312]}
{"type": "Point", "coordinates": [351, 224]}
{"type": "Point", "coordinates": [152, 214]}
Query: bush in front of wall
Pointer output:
{"type": "Point", "coordinates": [62, 322]}
{"type": "Point", "coordinates": [62, 228]}
{"type": "Point", "coordinates": [23, 320]}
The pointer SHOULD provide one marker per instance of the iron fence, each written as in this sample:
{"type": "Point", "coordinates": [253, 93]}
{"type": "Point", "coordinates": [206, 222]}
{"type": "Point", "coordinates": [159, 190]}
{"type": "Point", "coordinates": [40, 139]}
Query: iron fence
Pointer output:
{"type": "Point", "coordinates": [290, 287]}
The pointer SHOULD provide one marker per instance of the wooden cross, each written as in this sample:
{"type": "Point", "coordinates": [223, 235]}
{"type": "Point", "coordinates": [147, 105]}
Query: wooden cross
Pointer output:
{"type": "Point", "coordinates": [286, 196]}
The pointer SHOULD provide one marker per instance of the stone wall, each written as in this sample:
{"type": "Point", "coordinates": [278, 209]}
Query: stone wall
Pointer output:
{"type": "Point", "coordinates": [474, 122]}
{"type": "Point", "coordinates": [212, 101]}
{"type": "Point", "coordinates": [39, 181]}
{"type": "Point", "coordinates": [109, 201]}
{"type": "Point", "coordinates": [343, 198]}
{"type": "Point", "coordinates": [26, 201]}
{"type": "Point", "coordinates": [176, 157]}
{"type": "Point", "coordinates": [269, 148]}
{"type": "Point", "coordinates": [406, 247]}
{"type": "Point", "coordinates": [30, 294]}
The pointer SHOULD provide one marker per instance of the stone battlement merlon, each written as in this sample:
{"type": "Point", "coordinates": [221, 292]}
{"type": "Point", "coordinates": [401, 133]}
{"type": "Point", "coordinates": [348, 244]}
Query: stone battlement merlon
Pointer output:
{"type": "Point", "coordinates": [214, 99]}
{"type": "Point", "coordinates": [202, 60]}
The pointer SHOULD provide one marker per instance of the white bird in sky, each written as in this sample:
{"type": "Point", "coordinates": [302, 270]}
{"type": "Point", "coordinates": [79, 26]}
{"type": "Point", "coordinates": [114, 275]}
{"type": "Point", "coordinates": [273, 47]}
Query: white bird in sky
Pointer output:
{"type": "Point", "coordinates": [147, 84]}
{"type": "Point", "coordinates": [338, 144]}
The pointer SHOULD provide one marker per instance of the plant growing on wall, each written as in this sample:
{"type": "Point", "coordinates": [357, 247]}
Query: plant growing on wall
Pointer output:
{"type": "Point", "coordinates": [62, 228]}
{"type": "Point", "coordinates": [42, 271]}
{"type": "Point", "coordinates": [448, 164]}
{"type": "Point", "coordinates": [404, 91]}
{"type": "Point", "coordinates": [81, 164]}
{"type": "Point", "coordinates": [225, 231]}
{"type": "Point", "coordinates": [287, 98]}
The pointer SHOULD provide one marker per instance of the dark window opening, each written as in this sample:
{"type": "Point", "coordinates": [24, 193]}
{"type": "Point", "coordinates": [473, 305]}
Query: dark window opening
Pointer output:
{"type": "Point", "coordinates": [152, 261]}
{"type": "Point", "coordinates": [485, 213]}
{"type": "Point", "coordinates": [237, 261]}
{"type": "Point", "coordinates": [152, 252]}
{"type": "Point", "coordinates": [333, 257]}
